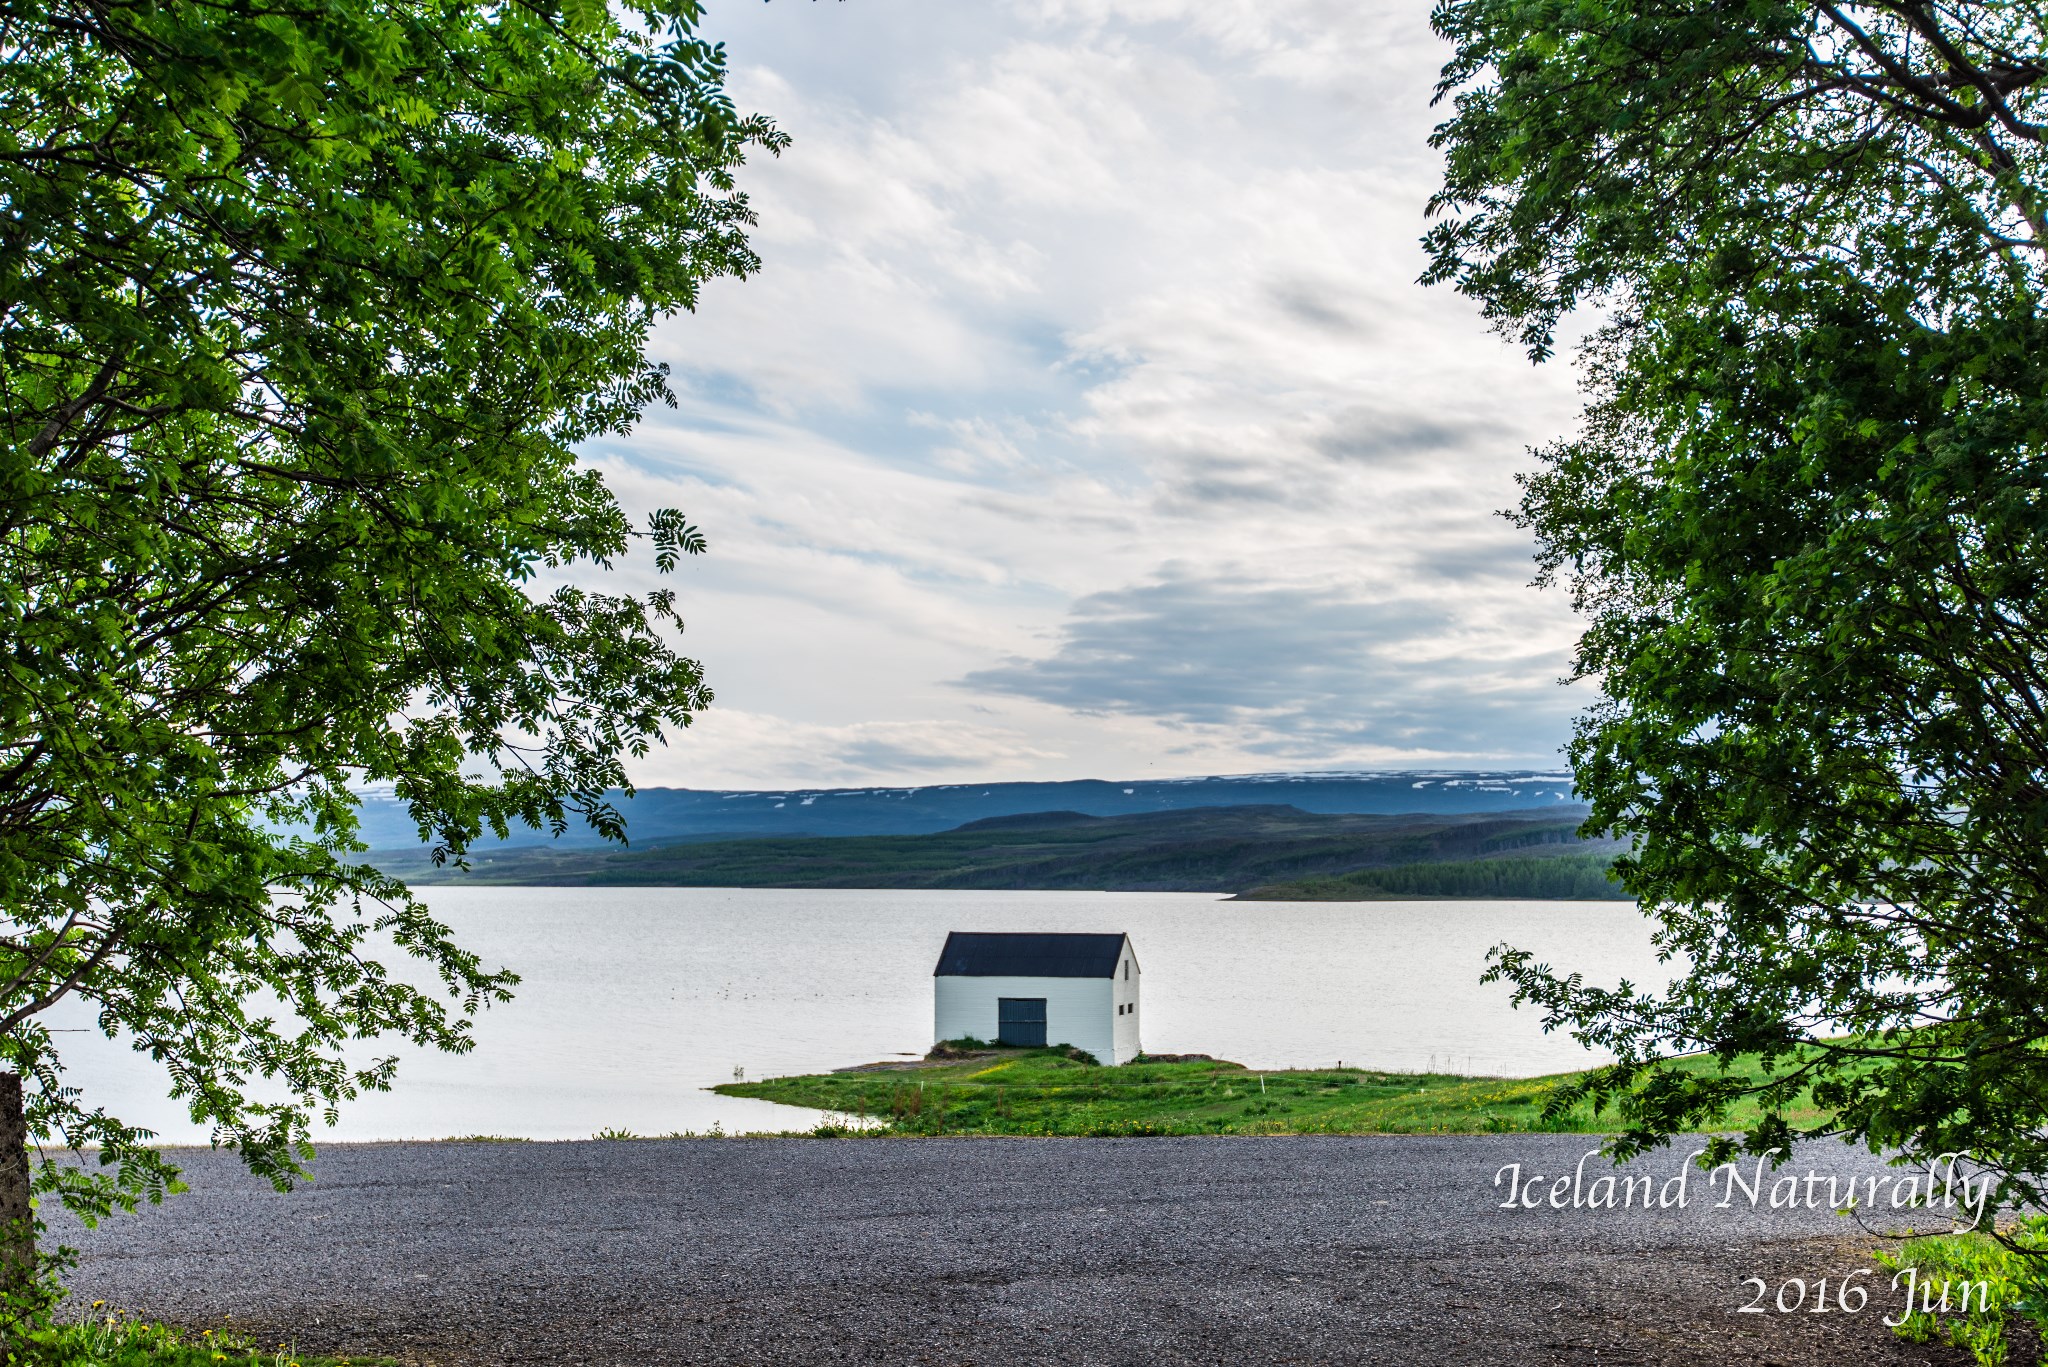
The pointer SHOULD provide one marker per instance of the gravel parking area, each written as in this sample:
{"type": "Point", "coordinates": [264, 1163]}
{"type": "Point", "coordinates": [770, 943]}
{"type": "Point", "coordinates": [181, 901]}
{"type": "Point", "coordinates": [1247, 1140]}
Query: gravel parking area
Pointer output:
{"type": "Point", "coordinates": [1111, 1251]}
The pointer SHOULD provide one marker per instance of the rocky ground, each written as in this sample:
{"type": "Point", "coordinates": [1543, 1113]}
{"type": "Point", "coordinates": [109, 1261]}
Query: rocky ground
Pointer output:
{"type": "Point", "coordinates": [1074, 1251]}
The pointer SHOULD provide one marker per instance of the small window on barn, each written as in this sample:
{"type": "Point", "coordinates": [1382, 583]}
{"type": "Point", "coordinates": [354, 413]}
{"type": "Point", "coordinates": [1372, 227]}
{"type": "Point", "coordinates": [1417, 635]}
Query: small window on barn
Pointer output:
{"type": "Point", "coordinates": [1127, 970]}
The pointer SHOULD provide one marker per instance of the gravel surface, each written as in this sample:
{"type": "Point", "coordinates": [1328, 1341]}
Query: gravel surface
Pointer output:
{"type": "Point", "coordinates": [996, 1251]}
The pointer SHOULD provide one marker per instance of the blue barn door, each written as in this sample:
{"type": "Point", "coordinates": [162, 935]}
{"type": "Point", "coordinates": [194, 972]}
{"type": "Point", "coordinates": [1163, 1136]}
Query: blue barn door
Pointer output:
{"type": "Point", "coordinates": [1021, 1020]}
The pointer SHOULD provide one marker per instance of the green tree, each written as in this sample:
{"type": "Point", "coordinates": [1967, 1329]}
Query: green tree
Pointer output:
{"type": "Point", "coordinates": [304, 310]}
{"type": "Point", "coordinates": [1806, 519]}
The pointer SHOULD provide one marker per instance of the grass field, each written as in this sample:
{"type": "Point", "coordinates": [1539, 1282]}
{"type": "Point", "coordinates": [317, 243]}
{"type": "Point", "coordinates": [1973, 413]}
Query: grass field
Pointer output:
{"type": "Point", "coordinates": [1043, 1092]}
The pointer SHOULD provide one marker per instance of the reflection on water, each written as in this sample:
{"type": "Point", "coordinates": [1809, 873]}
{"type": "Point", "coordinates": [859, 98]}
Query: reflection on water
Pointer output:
{"type": "Point", "coordinates": [636, 999]}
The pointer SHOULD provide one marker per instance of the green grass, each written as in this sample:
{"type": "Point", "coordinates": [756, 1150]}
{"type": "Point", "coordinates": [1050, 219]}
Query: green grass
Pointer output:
{"type": "Point", "coordinates": [112, 1339]}
{"type": "Point", "coordinates": [1041, 1092]}
{"type": "Point", "coordinates": [484, 1139]}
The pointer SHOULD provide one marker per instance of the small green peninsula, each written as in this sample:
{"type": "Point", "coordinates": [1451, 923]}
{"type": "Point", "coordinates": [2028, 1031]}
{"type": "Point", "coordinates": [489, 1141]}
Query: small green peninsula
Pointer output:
{"type": "Point", "coordinates": [1045, 1092]}
{"type": "Point", "coordinates": [966, 1090]}
{"type": "Point", "coordinates": [1558, 877]}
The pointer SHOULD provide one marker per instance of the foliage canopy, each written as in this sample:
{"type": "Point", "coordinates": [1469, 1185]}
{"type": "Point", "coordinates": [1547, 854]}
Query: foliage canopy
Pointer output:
{"type": "Point", "coordinates": [305, 309]}
{"type": "Point", "coordinates": [1806, 519]}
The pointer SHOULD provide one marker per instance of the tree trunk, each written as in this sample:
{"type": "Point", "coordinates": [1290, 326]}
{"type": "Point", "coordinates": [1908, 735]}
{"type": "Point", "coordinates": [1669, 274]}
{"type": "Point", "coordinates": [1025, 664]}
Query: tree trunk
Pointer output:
{"type": "Point", "coordinates": [17, 1219]}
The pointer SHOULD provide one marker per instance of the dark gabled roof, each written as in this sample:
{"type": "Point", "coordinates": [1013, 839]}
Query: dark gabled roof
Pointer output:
{"type": "Point", "coordinates": [978, 954]}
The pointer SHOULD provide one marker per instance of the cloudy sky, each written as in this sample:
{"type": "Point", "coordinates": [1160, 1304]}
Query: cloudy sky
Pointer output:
{"type": "Point", "coordinates": [1086, 420]}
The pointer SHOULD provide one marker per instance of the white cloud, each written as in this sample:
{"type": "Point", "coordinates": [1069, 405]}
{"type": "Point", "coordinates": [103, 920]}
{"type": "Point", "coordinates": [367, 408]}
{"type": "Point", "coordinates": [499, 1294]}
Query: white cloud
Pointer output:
{"type": "Point", "coordinates": [1087, 337]}
{"type": "Point", "coordinates": [1303, 670]}
{"type": "Point", "coordinates": [728, 748]}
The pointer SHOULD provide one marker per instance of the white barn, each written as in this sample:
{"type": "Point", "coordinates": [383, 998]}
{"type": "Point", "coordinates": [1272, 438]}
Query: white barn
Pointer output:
{"type": "Point", "coordinates": [1039, 989]}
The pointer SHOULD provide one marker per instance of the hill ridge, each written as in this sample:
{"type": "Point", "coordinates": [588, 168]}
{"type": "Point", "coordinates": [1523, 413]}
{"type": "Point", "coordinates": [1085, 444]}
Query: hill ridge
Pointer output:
{"type": "Point", "coordinates": [662, 815]}
{"type": "Point", "coordinates": [1212, 849]}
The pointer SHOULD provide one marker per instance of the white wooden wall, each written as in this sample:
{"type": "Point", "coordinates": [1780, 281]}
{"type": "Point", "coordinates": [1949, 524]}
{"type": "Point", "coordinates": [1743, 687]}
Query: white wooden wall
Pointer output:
{"type": "Point", "coordinates": [1078, 1011]}
{"type": "Point", "coordinates": [1124, 992]}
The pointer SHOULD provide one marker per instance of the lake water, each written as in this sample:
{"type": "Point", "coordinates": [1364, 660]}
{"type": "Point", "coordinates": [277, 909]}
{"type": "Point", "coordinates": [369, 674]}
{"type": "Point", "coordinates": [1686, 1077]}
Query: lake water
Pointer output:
{"type": "Point", "coordinates": [636, 999]}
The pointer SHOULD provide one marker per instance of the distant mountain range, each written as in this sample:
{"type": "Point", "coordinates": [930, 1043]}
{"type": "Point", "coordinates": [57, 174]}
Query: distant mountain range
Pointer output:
{"type": "Point", "coordinates": [1280, 850]}
{"type": "Point", "coordinates": [667, 816]}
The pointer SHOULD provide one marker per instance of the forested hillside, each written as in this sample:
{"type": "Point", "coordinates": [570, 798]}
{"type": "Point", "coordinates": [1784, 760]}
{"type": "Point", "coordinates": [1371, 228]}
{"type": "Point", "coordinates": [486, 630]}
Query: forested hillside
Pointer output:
{"type": "Point", "coordinates": [1212, 849]}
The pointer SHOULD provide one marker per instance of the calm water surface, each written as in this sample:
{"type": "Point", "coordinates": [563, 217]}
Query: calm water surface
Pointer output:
{"type": "Point", "coordinates": [636, 999]}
